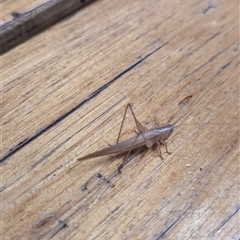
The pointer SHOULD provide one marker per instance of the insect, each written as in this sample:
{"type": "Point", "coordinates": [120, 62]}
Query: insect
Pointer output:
{"type": "Point", "coordinates": [147, 137]}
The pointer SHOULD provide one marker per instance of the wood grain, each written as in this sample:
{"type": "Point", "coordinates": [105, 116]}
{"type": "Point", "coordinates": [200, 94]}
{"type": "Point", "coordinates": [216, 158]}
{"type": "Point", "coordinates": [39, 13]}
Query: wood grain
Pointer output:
{"type": "Point", "coordinates": [30, 17]}
{"type": "Point", "coordinates": [63, 95]}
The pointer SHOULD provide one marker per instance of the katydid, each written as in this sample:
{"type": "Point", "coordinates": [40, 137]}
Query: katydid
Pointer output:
{"type": "Point", "coordinates": [157, 135]}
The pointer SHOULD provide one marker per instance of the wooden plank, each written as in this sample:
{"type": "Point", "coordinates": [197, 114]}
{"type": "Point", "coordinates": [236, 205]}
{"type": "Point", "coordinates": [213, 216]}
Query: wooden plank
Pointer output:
{"type": "Point", "coordinates": [31, 17]}
{"type": "Point", "coordinates": [14, 8]}
{"type": "Point", "coordinates": [63, 96]}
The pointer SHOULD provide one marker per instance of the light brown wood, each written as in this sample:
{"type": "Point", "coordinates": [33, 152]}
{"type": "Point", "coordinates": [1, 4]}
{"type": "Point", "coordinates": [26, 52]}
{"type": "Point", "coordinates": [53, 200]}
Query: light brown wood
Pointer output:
{"type": "Point", "coordinates": [63, 96]}
{"type": "Point", "coordinates": [11, 7]}
{"type": "Point", "coordinates": [22, 21]}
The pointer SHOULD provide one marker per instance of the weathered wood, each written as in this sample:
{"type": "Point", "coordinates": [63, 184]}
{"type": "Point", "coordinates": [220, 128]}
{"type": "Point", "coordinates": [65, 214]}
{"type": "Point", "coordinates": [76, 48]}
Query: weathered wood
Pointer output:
{"type": "Point", "coordinates": [63, 96]}
{"type": "Point", "coordinates": [26, 24]}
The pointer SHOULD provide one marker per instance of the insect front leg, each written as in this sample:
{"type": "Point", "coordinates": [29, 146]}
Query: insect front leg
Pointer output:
{"type": "Point", "coordinates": [165, 144]}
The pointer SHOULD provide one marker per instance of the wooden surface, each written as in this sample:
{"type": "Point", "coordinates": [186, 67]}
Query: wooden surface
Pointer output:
{"type": "Point", "coordinates": [63, 96]}
{"type": "Point", "coordinates": [24, 19]}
